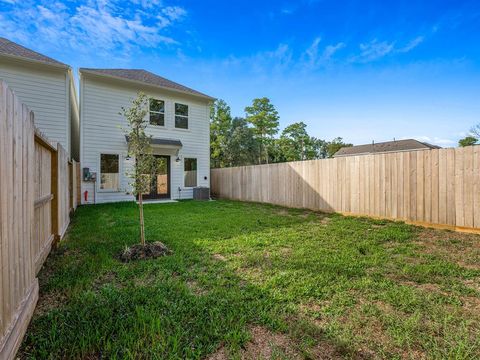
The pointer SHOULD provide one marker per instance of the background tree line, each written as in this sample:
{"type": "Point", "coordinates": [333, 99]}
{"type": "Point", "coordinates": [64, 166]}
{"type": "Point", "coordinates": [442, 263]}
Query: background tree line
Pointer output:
{"type": "Point", "coordinates": [255, 138]}
{"type": "Point", "coordinates": [473, 138]}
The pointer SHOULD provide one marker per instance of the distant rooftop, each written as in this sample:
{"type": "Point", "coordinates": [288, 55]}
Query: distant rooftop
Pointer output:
{"type": "Point", "coordinates": [383, 147]}
{"type": "Point", "coordinates": [146, 77]}
{"type": "Point", "coordinates": [12, 49]}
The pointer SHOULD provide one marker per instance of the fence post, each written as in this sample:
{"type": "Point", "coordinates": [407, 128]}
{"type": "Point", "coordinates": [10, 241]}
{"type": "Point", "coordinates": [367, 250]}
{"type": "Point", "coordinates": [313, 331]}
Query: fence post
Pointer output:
{"type": "Point", "coordinates": [54, 187]}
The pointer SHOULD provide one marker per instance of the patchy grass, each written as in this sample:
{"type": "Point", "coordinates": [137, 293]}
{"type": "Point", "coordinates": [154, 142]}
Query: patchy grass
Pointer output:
{"type": "Point", "coordinates": [251, 281]}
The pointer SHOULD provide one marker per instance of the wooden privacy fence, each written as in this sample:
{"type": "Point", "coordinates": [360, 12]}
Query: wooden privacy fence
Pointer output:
{"type": "Point", "coordinates": [34, 212]}
{"type": "Point", "coordinates": [439, 187]}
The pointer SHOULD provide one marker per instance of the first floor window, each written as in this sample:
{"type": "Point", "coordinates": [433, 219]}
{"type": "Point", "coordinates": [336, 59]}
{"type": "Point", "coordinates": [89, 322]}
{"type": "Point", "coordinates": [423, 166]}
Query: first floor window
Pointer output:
{"type": "Point", "coordinates": [157, 112]}
{"type": "Point", "coordinates": [181, 116]}
{"type": "Point", "coordinates": [190, 170]}
{"type": "Point", "coordinates": [109, 171]}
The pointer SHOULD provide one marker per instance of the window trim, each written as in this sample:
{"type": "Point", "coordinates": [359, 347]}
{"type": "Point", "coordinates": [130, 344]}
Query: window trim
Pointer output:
{"type": "Point", "coordinates": [189, 187]}
{"type": "Point", "coordinates": [182, 116]}
{"type": "Point", "coordinates": [99, 172]}
{"type": "Point", "coordinates": [157, 112]}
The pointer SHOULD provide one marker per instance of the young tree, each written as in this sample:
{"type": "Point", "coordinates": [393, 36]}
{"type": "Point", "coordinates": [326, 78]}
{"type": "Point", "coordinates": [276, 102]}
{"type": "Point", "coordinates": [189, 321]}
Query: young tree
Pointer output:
{"type": "Point", "coordinates": [140, 150]}
{"type": "Point", "coordinates": [467, 141]}
{"type": "Point", "coordinates": [264, 119]}
{"type": "Point", "coordinates": [220, 127]}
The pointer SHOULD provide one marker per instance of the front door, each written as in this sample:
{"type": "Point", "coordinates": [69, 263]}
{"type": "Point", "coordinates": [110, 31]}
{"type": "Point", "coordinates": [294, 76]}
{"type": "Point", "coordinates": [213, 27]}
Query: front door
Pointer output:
{"type": "Point", "coordinates": [160, 184]}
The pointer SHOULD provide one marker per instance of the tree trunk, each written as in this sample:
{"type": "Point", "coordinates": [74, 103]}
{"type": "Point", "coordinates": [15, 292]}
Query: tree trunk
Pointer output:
{"type": "Point", "coordinates": [142, 223]}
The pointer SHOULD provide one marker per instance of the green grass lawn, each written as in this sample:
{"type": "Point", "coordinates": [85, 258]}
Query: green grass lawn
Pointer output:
{"type": "Point", "coordinates": [256, 281]}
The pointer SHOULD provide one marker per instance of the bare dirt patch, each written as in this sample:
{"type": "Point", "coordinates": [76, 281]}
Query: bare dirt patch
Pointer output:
{"type": "Point", "coordinates": [473, 284]}
{"type": "Point", "coordinates": [314, 307]}
{"type": "Point", "coordinates": [471, 303]}
{"type": "Point", "coordinates": [220, 354]}
{"type": "Point", "coordinates": [325, 221]}
{"type": "Point", "coordinates": [219, 257]}
{"type": "Point", "coordinates": [265, 344]}
{"type": "Point", "coordinates": [49, 301]}
{"type": "Point", "coordinates": [144, 252]}
{"type": "Point", "coordinates": [109, 277]}
{"type": "Point", "coordinates": [285, 251]}
{"type": "Point", "coordinates": [461, 248]}
{"type": "Point", "coordinates": [195, 288]}
{"type": "Point", "coordinates": [283, 212]}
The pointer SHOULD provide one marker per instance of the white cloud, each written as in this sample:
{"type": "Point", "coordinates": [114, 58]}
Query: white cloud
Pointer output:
{"type": "Point", "coordinates": [147, 4]}
{"type": "Point", "coordinates": [93, 26]}
{"type": "Point", "coordinates": [330, 50]}
{"type": "Point", "coordinates": [412, 44]}
{"type": "Point", "coordinates": [169, 15]}
{"type": "Point", "coordinates": [374, 50]}
{"type": "Point", "coordinates": [315, 57]}
{"type": "Point", "coordinates": [174, 12]}
{"type": "Point", "coordinates": [435, 140]}
{"type": "Point", "coordinates": [263, 63]}
{"type": "Point", "coordinates": [312, 51]}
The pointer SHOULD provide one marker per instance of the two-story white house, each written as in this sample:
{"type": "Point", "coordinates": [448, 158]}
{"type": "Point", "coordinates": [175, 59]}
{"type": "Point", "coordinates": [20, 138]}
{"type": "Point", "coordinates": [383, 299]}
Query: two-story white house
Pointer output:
{"type": "Point", "coordinates": [46, 86]}
{"type": "Point", "coordinates": [179, 125]}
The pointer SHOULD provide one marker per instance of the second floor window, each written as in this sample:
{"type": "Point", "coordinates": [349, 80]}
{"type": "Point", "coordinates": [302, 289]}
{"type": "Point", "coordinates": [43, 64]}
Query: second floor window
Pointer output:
{"type": "Point", "coordinates": [181, 116]}
{"type": "Point", "coordinates": [157, 112]}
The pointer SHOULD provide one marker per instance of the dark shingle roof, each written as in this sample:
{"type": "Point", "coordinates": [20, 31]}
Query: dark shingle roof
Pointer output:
{"type": "Point", "coordinates": [389, 146]}
{"type": "Point", "coordinates": [146, 77]}
{"type": "Point", "coordinates": [162, 141]}
{"type": "Point", "coordinates": [9, 48]}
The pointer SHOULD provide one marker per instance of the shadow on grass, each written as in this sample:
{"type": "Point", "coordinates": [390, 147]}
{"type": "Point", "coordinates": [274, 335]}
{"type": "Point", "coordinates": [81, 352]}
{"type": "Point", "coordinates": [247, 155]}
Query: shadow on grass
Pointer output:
{"type": "Point", "coordinates": [240, 266]}
{"type": "Point", "coordinates": [186, 305]}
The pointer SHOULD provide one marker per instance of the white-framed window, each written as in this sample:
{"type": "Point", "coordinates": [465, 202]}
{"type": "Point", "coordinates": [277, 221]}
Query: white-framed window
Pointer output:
{"type": "Point", "coordinates": [109, 172]}
{"type": "Point", "coordinates": [181, 116]}
{"type": "Point", "coordinates": [157, 112]}
{"type": "Point", "coordinates": [190, 172]}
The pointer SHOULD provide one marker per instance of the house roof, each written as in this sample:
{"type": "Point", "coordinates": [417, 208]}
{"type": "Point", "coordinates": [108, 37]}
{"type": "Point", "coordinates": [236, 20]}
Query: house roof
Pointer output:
{"type": "Point", "coordinates": [13, 50]}
{"type": "Point", "coordinates": [383, 147]}
{"type": "Point", "coordinates": [145, 77]}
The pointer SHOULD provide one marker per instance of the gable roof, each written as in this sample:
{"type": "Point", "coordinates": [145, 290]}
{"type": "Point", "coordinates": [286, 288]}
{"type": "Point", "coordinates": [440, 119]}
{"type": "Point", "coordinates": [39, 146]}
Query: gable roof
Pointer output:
{"type": "Point", "coordinates": [383, 147]}
{"type": "Point", "coordinates": [145, 77]}
{"type": "Point", "coordinates": [13, 50]}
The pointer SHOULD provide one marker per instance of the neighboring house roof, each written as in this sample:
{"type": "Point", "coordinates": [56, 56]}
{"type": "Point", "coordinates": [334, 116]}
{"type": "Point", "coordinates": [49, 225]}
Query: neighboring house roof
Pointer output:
{"type": "Point", "coordinates": [383, 147]}
{"type": "Point", "coordinates": [146, 77]}
{"type": "Point", "coordinates": [13, 50]}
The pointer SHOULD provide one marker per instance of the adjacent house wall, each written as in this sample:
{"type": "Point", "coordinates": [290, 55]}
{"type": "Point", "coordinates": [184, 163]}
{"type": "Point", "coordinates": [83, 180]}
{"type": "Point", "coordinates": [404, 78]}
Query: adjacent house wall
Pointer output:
{"type": "Point", "coordinates": [102, 131]}
{"type": "Point", "coordinates": [44, 89]}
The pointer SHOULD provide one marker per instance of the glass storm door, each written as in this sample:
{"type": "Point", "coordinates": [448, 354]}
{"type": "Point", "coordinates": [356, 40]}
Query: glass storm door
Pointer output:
{"type": "Point", "coordinates": [160, 183]}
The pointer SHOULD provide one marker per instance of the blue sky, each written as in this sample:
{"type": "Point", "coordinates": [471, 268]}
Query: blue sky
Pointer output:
{"type": "Point", "coordinates": [362, 70]}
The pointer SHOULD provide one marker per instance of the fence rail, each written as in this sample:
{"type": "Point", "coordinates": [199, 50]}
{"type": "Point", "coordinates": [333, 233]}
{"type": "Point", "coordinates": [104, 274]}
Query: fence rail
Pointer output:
{"type": "Point", "coordinates": [439, 187]}
{"type": "Point", "coordinates": [35, 193]}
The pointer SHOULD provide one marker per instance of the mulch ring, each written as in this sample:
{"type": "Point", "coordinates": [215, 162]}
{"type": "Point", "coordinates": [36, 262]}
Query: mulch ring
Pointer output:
{"type": "Point", "coordinates": [144, 252]}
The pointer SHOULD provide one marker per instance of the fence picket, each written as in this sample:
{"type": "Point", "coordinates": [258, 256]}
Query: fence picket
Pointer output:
{"type": "Point", "coordinates": [436, 187]}
{"type": "Point", "coordinates": [26, 233]}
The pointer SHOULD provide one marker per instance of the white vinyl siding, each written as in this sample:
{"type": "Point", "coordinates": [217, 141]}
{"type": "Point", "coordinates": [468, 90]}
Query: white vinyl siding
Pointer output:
{"type": "Point", "coordinates": [101, 132]}
{"type": "Point", "coordinates": [44, 91]}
